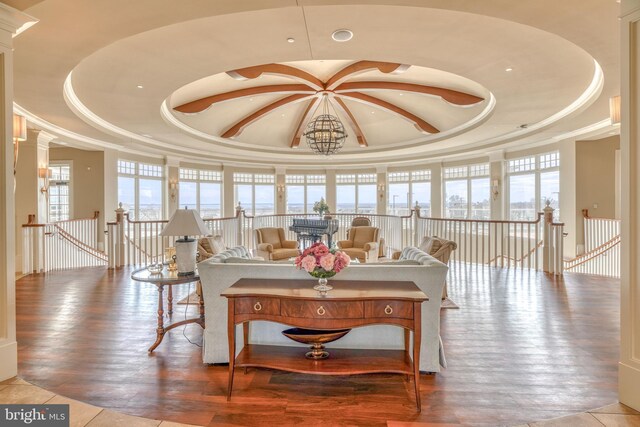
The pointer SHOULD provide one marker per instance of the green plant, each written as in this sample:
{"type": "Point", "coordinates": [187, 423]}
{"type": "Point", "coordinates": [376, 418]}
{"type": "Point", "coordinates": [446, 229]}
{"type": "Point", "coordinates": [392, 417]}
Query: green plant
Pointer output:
{"type": "Point", "coordinates": [321, 207]}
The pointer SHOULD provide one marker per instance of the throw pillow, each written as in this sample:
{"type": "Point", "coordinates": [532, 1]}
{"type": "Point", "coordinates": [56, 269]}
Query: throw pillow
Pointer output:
{"type": "Point", "coordinates": [216, 244]}
{"type": "Point", "coordinates": [204, 242]}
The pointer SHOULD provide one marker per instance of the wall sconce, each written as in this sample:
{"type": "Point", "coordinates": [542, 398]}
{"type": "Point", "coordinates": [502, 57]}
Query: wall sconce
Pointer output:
{"type": "Point", "coordinates": [381, 188]}
{"type": "Point", "coordinates": [44, 174]}
{"type": "Point", "coordinates": [614, 109]}
{"type": "Point", "coordinates": [19, 135]}
{"type": "Point", "coordinates": [281, 189]}
{"type": "Point", "coordinates": [495, 188]}
{"type": "Point", "coordinates": [173, 189]}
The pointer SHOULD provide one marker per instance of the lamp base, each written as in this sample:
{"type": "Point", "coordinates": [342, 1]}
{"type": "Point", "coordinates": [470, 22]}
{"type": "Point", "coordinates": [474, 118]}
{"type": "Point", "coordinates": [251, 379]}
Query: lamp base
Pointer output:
{"type": "Point", "coordinates": [186, 256]}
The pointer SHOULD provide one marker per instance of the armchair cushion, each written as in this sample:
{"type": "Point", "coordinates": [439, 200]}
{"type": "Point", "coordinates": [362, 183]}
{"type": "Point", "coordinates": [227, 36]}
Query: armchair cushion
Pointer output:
{"type": "Point", "coordinates": [290, 244]}
{"type": "Point", "coordinates": [343, 244]}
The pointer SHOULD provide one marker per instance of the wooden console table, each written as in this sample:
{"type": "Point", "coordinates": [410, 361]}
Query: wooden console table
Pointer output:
{"type": "Point", "coordinates": [350, 304]}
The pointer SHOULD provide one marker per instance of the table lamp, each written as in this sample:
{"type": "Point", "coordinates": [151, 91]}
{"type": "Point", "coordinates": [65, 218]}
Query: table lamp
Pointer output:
{"type": "Point", "coordinates": [185, 222]}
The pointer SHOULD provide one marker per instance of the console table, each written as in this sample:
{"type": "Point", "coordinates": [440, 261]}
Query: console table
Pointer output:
{"type": "Point", "coordinates": [350, 304]}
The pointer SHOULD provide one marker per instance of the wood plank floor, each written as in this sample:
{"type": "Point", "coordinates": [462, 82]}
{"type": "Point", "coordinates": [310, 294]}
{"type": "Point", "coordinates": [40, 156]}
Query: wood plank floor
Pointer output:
{"type": "Point", "coordinates": [522, 347]}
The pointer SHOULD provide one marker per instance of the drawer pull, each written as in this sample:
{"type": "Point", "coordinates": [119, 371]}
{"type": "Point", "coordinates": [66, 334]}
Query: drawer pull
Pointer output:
{"type": "Point", "coordinates": [388, 310]}
{"type": "Point", "coordinates": [321, 311]}
{"type": "Point", "coordinates": [257, 306]}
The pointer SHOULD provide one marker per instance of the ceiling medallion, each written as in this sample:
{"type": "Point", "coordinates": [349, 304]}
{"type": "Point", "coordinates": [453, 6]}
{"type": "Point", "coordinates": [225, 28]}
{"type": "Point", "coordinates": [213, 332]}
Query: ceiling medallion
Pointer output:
{"type": "Point", "coordinates": [311, 91]}
{"type": "Point", "coordinates": [325, 134]}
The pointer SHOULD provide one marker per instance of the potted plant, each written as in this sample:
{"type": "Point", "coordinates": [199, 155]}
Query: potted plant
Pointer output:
{"type": "Point", "coordinates": [321, 207]}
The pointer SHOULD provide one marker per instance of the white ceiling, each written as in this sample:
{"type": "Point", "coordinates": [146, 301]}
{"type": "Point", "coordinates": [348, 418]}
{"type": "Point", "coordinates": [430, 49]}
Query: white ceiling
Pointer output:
{"type": "Point", "coordinates": [180, 51]}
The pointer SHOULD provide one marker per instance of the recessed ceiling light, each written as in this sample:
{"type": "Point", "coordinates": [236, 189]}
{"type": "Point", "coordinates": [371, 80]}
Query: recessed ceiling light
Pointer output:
{"type": "Point", "coordinates": [373, 112]}
{"type": "Point", "coordinates": [251, 99]}
{"type": "Point", "coordinates": [508, 69]}
{"type": "Point", "coordinates": [342, 35]}
{"type": "Point", "coordinates": [291, 40]}
{"type": "Point", "coordinates": [282, 115]}
{"type": "Point", "coordinates": [140, 86]}
{"type": "Point", "coordinates": [400, 94]}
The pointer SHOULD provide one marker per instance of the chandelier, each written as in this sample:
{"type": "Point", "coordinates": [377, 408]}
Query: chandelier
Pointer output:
{"type": "Point", "coordinates": [325, 134]}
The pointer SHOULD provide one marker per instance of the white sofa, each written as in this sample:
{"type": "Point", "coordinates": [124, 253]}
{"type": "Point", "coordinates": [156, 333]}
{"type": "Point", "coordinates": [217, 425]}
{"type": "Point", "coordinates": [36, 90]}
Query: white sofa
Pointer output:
{"type": "Point", "coordinates": [223, 270]}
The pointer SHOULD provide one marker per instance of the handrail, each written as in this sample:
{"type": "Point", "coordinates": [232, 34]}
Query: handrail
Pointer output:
{"type": "Point", "coordinates": [593, 253]}
{"type": "Point", "coordinates": [80, 245]}
{"type": "Point", "coordinates": [489, 221]}
{"type": "Point", "coordinates": [516, 260]}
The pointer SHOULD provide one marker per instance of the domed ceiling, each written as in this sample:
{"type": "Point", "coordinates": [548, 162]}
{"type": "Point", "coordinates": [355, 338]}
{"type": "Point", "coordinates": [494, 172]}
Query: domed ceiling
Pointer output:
{"type": "Point", "coordinates": [237, 82]}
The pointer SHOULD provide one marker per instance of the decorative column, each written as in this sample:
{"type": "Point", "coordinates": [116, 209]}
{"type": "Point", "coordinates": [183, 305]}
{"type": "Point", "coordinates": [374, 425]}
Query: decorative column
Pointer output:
{"type": "Point", "coordinates": [172, 172]}
{"type": "Point", "coordinates": [331, 193]}
{"type": "Point", "coordinates": [10, 20]}
{"type": "Point", "coordinates": [629, 367]}
{"type": "Point", "coordinates": [381, 172]}
{"type": "Point", "coordinates": [497, 185]}
{"type": "Point", "coordinates": [42, 161]}
{"type": "Point", "coordinates": [227, 193]}
{"type": "Point", "coordinates": [437, 210]}
{"type": "Point", "coordinates": [26, 194]}
{"type": "Point", "coordinates": [281, 194]}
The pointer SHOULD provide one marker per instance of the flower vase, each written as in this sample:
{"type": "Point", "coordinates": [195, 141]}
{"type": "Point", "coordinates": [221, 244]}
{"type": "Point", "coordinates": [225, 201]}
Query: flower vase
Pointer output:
{"type": "Point", "coordinates": [323, 286]}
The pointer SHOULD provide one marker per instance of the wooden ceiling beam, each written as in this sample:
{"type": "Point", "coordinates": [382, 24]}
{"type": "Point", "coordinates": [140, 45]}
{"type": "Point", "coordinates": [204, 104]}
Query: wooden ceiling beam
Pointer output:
{"type": "Point", "coordinates": [238, 127]}
{"type": "Point", "coordinates": [306, 116]}
{"type": "Point", "coordinates": [202, 104]}
{"type": "Point", "coordinates": [420, 124]}
{"type": "Point", "coordinates": [278, 70]}
{"type": "Point", "coordinates": [340, 105]}
{"type": "Point", "coordinates": [362, 66]}
{"type": "Point", "coordinates": [451, 96]}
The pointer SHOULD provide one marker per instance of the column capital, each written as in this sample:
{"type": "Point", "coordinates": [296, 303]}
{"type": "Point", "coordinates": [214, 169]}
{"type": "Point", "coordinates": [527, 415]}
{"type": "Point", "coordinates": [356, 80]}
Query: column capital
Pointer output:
{"type": "Point", "coordinates": [496, 156]}
{"type": "Point", "coordinates": [13, 22]}
{"type": "Point", "coordinates": [44, 139]}
{"type": "Point", "coordinates": [172, 161]}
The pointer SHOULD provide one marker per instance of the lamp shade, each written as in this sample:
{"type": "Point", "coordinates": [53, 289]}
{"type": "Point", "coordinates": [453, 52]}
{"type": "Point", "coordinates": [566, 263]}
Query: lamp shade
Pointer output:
{"type": "Point", "coordinates": [19, 128]}
{"type": "Point", "coordinates": [185, 222]}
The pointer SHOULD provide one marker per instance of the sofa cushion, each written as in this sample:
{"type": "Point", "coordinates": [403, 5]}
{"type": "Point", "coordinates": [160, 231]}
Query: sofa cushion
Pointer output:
{"type": "Point", "coordinates": [400, 262]}
{"type": "Point", "coordinates": [284, 253]}
{"type": "Point", "coordinates": [240, 260]}
{"type": "Point", "coordinates": [238, 251]}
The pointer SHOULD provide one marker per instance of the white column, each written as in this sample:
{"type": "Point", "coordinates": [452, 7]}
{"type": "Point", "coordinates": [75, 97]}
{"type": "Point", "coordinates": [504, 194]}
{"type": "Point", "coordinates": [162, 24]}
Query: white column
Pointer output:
{"type": "Point", "coordinates": [281, 194]}
{"type": "Point", "coordinates": [42, 161]}
{"type": "Point", "coordinates": [172, 173]}
{"type": "Point", "coordinates": [629, 367]}
{"type": "Point", "coordinates": [497, 185]}
{"type": "Point", "coordinates": [227, 193]}
{"type": "Point", "coordinates": [331, 189]}
{"type": "Point", "coordinates": [10, 20]}
{"type": "Point", "coordinates": [437, 208]}
{"type": "Point", "coordinates": [26, 195]}
{"type": "Point", "coordinates": [381, 206]}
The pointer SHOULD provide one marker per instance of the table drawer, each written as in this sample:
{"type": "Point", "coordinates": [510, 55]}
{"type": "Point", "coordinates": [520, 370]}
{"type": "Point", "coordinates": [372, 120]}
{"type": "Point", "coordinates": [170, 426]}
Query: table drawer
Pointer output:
{"type": "Point", "coordinates": [395, 309]}
{"type": "Point", "coordinates": [257, 305]}
{"type": "Point", "coordinates": [323, 309]}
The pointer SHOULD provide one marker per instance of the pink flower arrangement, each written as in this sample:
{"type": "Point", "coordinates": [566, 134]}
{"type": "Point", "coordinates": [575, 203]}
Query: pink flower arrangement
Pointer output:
{"type": "Point", "coordinates": [320, 262]}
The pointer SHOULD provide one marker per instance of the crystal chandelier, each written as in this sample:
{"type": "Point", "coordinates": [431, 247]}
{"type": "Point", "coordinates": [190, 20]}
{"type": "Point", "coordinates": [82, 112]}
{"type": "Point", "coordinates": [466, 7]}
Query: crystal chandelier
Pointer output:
{"type": "Point", "coordinates": [325, 134]}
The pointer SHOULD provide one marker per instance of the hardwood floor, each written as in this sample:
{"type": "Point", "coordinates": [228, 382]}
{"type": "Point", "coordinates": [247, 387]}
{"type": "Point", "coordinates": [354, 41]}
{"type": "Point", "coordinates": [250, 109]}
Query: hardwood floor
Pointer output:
{"type": "Point", "coordinates": [522, 347]}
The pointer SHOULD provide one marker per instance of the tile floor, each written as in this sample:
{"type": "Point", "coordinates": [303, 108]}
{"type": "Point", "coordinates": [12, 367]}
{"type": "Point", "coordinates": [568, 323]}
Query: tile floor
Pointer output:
{"type": "Point", "coordinates": [18, 391]}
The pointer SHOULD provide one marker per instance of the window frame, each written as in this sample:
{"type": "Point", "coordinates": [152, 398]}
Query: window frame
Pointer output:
{"type": "Point", "coordinates": [412, 176]}
{"type": "Point", "coordinates": [542, 163]}
{"type": "Point", "coordinates": [468, 173]}
{"type": "Point", "coordinates": [253, 179]}
{"type": "Point", "coordinates": [58, 163]}
{"type": "Point", "coordinates": [142, 171]}
{"type": "Point", "coordinates": [359, 179]}
{"type": "Point", "coordinates": [199, 179]}
{"type": "Point", "coordinates": [305, 181]}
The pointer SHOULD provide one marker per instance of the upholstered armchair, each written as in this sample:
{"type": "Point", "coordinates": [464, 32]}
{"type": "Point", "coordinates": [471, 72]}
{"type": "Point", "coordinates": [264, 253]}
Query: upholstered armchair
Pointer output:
{"type": "Point", "coordinates": [362, 243]}
{"type": "Point", "coordinates": [360, 221]}
{"type": "Point", "coordinates": [273, 246]}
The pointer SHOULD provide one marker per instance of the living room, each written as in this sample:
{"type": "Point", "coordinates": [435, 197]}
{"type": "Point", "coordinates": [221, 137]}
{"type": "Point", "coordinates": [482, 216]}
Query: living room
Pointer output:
{"type": "Point", "coordinates": [174, 168]}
